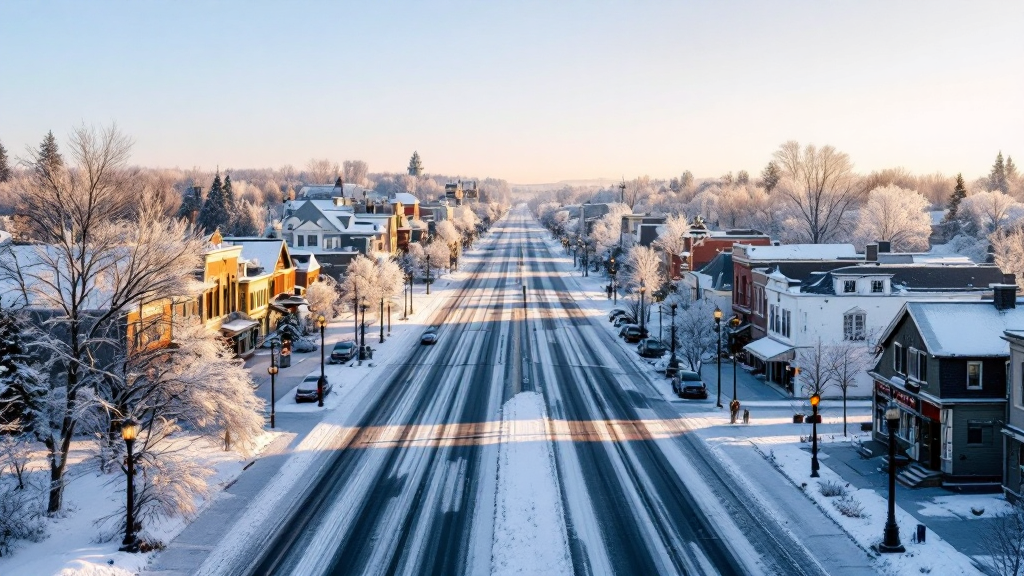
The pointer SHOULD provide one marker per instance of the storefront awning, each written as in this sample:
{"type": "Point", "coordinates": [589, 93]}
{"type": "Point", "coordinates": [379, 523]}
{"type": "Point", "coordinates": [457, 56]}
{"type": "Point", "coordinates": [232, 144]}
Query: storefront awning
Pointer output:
{"type": "Point", "coordinates": [236, 327]}
{"type": "Point", "coordinates": [770, 350]}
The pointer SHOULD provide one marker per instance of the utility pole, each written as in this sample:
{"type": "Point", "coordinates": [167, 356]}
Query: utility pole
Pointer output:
{"type": "Point", "coordinates": [622, 191]}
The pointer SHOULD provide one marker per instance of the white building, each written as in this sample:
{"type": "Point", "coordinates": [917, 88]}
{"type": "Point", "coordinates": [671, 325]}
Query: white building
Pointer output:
{"type": "Point", "coordinates": [855, 304]}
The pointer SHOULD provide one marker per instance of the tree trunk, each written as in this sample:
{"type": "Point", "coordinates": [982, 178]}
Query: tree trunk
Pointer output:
{"type": "Point", "coordinates": [844, 411]}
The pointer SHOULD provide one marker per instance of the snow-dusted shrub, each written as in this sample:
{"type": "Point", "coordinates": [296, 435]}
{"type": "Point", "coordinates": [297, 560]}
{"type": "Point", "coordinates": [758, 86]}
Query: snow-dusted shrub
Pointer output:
{"type": "Point", "coordinates": [830, 489]}
{"type": "Point", "coordinates": [21, 516]}
{"type": "Point", "coordinates": [850, 507]}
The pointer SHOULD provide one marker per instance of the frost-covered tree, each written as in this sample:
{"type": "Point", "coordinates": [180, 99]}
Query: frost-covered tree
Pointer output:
{"type": "Point", "coordinates": [990, 211]}
{"type": "Point", "coordinates": [815, 369]}
{"type": "Point", "coordinates": [819, 185]}
{"type": "Point", "coordinates": [742, 177]}
{"type": "Point", "coordinates": [197, 386]}
{"type": "Point", "coordinates": [997, 177]}
{"type": "Point", "coordinates": [447, 233]}
{"type": "Point", "coordinates": [324, 297]}
{"type": "Point", "coordinates": [215, 215]}
{"type": "Point", "coordinates": [895, 215]}
{"type": "Point", "coordinates": [5, 165]}
{"type": "Point", "coordinates": [676, 234]}
{"type": "Point", "coordinates": [644, 267]}
{"type": "Point", "coordinates": [248, 220]}
{"type": "Point", "coordinates": [439, 253]}
{"type": "Point", "coordinates": [846, 361]}
{"type": "Point", "coordinates": [97, 259]}
{"type": "Point", "coordinates": [696, 336]}
{"type": "Point", "coordinates": [606, 231]}
{"type": "Point", "coordinates": [355, 171]}
{"type": "Point", "coordinates": [1008, 250]}
{"type": "Point", "coordinates": [415, 165]}
{"type": "Point", "coordinates": [321, 171]}
{"type": "Point", "coordinates": [637, 190]}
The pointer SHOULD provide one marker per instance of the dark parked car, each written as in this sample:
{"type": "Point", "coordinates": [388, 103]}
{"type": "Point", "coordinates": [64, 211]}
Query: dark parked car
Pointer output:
{"type": "Point", "coordinates": [651, 348]}
{"type": "Point", "coordinates": [615, 313]}
{"type": "Point", "coordinates": [689, 385]}
{"type": "Point", "coordinates": [623, 320]}
{"type": "Point", "coordinates": [306, 392]}
{"type": "Point", "coordinates": [429, 336]}
{"type": "Point", "coordinates": [343, 352]}
{"type": "Point", "coordinates": [631, 333]}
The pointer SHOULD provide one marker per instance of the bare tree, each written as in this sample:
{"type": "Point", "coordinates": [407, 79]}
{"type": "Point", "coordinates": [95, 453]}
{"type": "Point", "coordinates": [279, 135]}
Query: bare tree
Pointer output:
{"type": "Point", "coordinates": [895, 215]}
{"type": "Point", "coordinates": [820, 185]}
{"type": "Point", "coordinates": [1008, 248]}
{"type": "Point", "coordinates": [322, 171]}
{"type": "Point", "coordinates": [815, 369]}
{"type": "Point", "coordinates": [1004, 542]}
{"type": "Point", "coordinates": [636, 190]}
{"type": "Point", "coordinates": [94, 262]}
{"type": "Point", "coordinates": [846, 360]}
{"type": "Point", "coordinates": [355, 171]}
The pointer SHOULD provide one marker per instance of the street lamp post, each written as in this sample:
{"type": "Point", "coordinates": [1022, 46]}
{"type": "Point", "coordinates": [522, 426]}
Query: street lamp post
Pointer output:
{"type": "Point", "coordinates": [272, 370]}
{"type": "Point", "coordinates": [732, 350]}
{"type": "Point", "coordinates": [615, 288]}
{"type": "Point", "coordinates": [815, 400]}
{"type": "Point", "coordinates": [718, 339]}
{"type": "Point", "coordinates": [661, 322]}
{"type": "Point", "coordinates": [643, 324]}
{"type": "Point", "coordinates": [428, 274]}
{"type": "Point", "coordinates": [410, 294]}
{"type": "Point", "coordinates": [891, 539]}
{"type": "Point", "coordinates": [380, 318]}
{"type": "Point", "coordinates": [405, 299]}
{"type": "Point", "coordinates": [129, 430]}
{"type": "Point", "coordinates": [355, 307]}
{"type": "Point", "coordinates": [362, 336]}
{"type": "Point", "coordinates": [389, 318]}
{"type": "Point", "coordinates": [673, 362]}
{"type": "Point", "coordinates": [322, 321]}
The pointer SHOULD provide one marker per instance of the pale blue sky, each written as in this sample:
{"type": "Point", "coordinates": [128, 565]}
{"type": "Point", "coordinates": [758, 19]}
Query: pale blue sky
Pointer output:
{"type": "Point", "coordinates": [527, 91]}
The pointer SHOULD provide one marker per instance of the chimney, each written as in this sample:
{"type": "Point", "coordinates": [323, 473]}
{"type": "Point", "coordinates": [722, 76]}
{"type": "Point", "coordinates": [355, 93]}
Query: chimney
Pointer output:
{"type": "Point", "coordinates": [1009, 278]}
{"type": "Point", "coordinates": [871, 253]}
{"type": "Point", "coordinates": [884, 246]}
{"type": "Point", "coordinates": [1004, 296]}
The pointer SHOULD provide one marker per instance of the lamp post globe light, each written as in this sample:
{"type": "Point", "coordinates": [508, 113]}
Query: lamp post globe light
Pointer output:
{"type": "Point", "coordinates": [891, 539]}
{"type": "Point", "coordinates": [732, 350]}
{"type": "Point", "coordinates": [718, 340]}
{"type": "Point", "coordinates": [272, 370]}
{"type": "Point", "coordinates": [815, 400]}
{"type": "Point", "coordinates": [129, 430]}
{"type": "Point", "coordinates": [322, 322]}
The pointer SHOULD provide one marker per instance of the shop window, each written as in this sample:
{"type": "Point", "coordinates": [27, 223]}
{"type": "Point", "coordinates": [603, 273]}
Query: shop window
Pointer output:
{"type": "Point", "coordinates": [849, 286]}
{"type": "Point", "coordinates": [876, 286]}
{"type": "Point", "coordinates": [974, 375]}
{"type": "Point", "coordinates": [853, 326]}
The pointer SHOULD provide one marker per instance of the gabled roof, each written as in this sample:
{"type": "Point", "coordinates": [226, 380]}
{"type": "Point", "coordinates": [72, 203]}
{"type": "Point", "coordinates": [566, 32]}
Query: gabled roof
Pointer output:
{"type": "Point", "coordinates": [934, 277]}
{"type": "Point", "coordinates": [405, 198]}
{"type": "Point", "coordinates": [262, 253]}
{"type": "Point", "coordinates": [720, 271]}
{"type": "Point", "coordinates": [952, 329]}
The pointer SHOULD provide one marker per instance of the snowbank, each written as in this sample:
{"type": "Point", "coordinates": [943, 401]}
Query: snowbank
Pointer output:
{"type": "Point", "coordinates": [529, 523]}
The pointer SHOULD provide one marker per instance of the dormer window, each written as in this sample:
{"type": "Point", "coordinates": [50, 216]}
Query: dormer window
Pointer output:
{"type": "Point", "coordinates": [877, 286]}
{"type": "Point", "coordinates": [849, 286]}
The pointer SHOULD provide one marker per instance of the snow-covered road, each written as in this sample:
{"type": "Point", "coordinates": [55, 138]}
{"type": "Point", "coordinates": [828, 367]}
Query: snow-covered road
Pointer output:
{"type": "Point", "coordinates": [586, 470]}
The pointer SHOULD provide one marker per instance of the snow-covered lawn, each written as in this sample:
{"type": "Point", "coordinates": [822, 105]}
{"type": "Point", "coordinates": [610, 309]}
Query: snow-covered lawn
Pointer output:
{"type": "Point", "coordinates": [529, 524]}
{"type": "Point", "coordinates": [77, 543]}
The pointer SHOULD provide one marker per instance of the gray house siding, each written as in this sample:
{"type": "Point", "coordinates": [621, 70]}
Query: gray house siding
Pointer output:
{"type": "Point", "coordinates": [953, 378]}
{"type": "Point", "coordinates": [978, 459]}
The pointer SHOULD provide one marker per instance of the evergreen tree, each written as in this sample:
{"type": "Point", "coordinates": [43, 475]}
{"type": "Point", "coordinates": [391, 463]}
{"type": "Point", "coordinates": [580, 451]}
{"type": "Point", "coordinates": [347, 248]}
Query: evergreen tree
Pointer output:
{"type": "Point", "coordinates": [770, 176]}
{"type": "Point", "coordinates": [191, 204]}
{"type": "Point", "coordinates": [997, 178]}
{"type": "Point", "coordinates": [214, 214]}
{"type": "Point", "coordinates": [50, 159]}
{"type": "Point", "coordinates": [415, 165]}
{"type": "Point", "coordinates": [5, 167]}
{"type": "Point", "coordinates": [959, 193]}
{"type": "Point", "coordinates": [1011, 170]}
{"type": "Point", "coordinates": [16, 390]}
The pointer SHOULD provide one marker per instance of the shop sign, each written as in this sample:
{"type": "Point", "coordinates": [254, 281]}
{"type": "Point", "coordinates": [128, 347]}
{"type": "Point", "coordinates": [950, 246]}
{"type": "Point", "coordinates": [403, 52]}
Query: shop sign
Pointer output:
{"type": "Point", "coordinates": [882, 388]}
{"type": "Point", "coordinates": [905, 399]}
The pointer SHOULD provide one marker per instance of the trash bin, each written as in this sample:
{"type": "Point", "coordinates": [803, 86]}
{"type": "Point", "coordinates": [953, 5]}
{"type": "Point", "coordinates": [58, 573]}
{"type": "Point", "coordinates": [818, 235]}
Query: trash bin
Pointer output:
{"type": "Point", "coordinates": [921, 532]}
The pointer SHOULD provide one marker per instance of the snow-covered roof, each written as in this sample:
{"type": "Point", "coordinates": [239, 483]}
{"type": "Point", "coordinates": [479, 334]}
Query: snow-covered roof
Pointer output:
{"type": "Point", "coordinates": [404, 198]}
{"type": "Point", "coordinates": [305, 262]}
{"type": "Point", "coordinates": [965, 328]}
{"type": "Point", "coordinates": [236, 326]}
{"type": "Point", "coordinates": [259, 252]}
{"type": "Point", "coordinates": [801, 252]}
{"type": "Point", "coordinates": [768, 349]}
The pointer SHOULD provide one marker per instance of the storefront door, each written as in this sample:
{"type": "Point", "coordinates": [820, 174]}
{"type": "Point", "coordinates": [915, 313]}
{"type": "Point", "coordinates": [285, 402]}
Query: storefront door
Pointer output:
{"type": "Point", "coordinates": [931, 444]}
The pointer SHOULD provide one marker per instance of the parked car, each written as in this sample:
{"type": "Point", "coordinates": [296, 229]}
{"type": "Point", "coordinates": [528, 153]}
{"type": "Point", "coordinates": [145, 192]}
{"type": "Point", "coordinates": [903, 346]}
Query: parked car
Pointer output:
{"type": "Point", "coordinates": [632, 333]}
{"type": "Point", "coordinates": [689, 385]}
{"type": "Point", "coordinates": [616, 312]}
{"type": "Point", "coordinates": [623, 320]}
{"type": "Point", "coordinates": [651, 348]}
{"type": "Point", "coordinates": [343, 352]}
{"type": "Point", "coordinates": [306, 392]}
{"type": "Point", "coordinates": [429, 336]}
